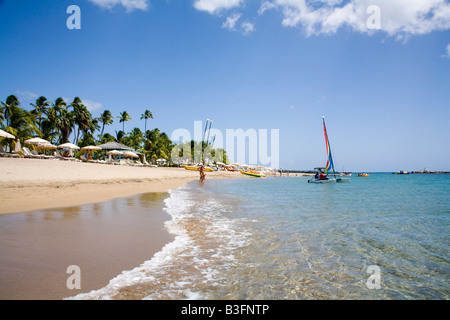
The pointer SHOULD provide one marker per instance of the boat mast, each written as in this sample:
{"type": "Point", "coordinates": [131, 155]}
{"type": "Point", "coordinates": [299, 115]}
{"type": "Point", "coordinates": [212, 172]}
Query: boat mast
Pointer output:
{"type": "Point", "coordinates": [327, 141]}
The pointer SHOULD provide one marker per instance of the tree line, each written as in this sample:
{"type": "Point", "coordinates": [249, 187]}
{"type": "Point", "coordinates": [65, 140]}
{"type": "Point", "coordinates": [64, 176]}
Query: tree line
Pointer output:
{"type": "Point", "coordinates": [56, 121]}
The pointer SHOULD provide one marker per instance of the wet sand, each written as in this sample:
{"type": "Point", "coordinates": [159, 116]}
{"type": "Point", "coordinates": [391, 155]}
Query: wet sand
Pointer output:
{"type": "Point", "coordinates": [102, 239]}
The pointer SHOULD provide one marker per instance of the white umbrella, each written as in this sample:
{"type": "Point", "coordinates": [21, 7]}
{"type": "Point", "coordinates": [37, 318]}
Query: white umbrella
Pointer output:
{"type": "Point", "coordinates": [18, 147]}
{"type": "Point", "coordinates": [46, 146]}
{"type": "Point", "coordinates": [115, 152]}
{"type": "Point", "coordinates": [130, 154]}
{"type": "Point", "coordinates": [5, 134]}
{"type": "Point", "coordinates": [36, 141]}
{"type": "Point", "coordinates": [91, 148]}
{"type": "Point", "coordinates": [68, 145]}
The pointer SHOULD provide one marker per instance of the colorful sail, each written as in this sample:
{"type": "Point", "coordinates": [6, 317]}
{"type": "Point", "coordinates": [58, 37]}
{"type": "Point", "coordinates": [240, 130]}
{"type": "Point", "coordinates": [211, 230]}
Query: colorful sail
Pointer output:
{"type": "Point", "coordinates": [327, 143]}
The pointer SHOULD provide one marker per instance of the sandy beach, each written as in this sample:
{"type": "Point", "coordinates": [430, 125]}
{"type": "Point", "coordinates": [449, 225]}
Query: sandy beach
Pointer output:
{"type": "Point", "coordinates": [32, 184]}
{"type": "Point", "coordinates": [60, 213]}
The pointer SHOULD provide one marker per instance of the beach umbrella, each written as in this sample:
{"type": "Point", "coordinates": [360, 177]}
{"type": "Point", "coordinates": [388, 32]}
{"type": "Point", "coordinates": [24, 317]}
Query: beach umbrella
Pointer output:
{"type": "Point", "coordinates": [36, 141]}
{"type": "Point", "coordinates": [68, 145]}
{"type": "Point", "coordinates": [115, 152]}
{"type": "Point", "coordinates": [91, 148]}
{"type": "Point", "coordinates": [18, 147]}
{"type": "Point", "coordinates": [46, 146]}
{"type": "Point", "coordinates": [5, 134]}
{"type": "Point", "coordinates": [130, 154]}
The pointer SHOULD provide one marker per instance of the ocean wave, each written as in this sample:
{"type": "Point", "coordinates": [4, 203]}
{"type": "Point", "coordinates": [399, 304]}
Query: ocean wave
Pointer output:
{"type": "Point", "coordinates": [194, 265]}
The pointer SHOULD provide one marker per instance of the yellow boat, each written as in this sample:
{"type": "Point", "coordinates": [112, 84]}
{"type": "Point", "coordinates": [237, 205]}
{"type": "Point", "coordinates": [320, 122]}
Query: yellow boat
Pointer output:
{"type": "Point", "coordinates": [253, 174]}
{"type": "Point", "coordinates": [195, 168]}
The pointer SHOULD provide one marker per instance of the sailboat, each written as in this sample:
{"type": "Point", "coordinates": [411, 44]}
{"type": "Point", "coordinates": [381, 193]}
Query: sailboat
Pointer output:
{"type": "Point", "coordinates": [329, 165]}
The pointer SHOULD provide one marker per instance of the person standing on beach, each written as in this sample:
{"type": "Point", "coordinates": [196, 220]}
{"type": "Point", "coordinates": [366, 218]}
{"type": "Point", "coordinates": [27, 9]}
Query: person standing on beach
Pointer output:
{"type": "Point", "coordinates": [202, 173]}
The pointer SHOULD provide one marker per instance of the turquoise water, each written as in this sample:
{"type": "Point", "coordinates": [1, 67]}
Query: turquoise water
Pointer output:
{"type": "Point", "coordinates": [282, 238]}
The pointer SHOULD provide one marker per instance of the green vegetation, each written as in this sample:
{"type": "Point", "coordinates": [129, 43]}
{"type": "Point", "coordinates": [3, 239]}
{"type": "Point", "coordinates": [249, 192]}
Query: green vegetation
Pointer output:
{"type": "Point", "coordinates": [57, 121]}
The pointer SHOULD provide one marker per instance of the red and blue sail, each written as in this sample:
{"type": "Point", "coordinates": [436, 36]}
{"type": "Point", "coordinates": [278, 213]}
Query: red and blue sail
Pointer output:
{"type": "Point", "coordinates": [327, 143]}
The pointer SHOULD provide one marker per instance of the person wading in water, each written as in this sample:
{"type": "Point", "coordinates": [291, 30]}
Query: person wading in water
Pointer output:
{"type": "Point", "coordinates": [202, 173]}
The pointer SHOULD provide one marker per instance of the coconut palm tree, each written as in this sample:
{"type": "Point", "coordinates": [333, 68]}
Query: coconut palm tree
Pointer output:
{"type": "Point", "coordinates": [22, 123]}
{"type": "Point", "coordinates": [120, 135]}
{"type": "Point", "coordinates": [105, 138]}
{"type": "Point", "coordinates": [135, 138]}
{"type": "Point", "coordinates": [59, 104]}
{"type": "Point", "coordinates": [105, 118]}
{"type": "Point", "coordinates": [124, 116]}
{"type": "Point", "coordinates": [146, 115]}
{"type": "Point", "coordinates": [2, 116]}
{"type": "Point", "coordinates": [66, 125]}
{"type": "Point", "coordinates": [82, 117]}
{"type": "Point", "coordinates": [7, 107]}
{"type": "Point", "coordinates": [40, 108]}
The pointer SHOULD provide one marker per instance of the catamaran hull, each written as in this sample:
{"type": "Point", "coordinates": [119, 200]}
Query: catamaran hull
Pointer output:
{"type": "Point", "coordinates": [337, 180]}
{"type": "Point", "coordinates": [322, 181]}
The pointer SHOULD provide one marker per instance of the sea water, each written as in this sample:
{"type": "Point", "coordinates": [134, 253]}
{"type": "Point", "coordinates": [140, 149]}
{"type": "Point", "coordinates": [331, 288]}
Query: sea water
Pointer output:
{"type": "Point", "coordinates": [385, 236]}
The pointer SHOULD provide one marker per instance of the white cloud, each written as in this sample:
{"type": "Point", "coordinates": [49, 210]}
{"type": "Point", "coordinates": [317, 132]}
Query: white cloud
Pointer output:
{"type": "Point", "coordinates": [91, 105]}
{"type": "Point", "coordinates": [130, 5]}
{"type": "Point", "coordinates": [397, 18]}
{"type": "Point", "coordinates": [214, 6]}
{"type": "Point", "coordinates": [26, 95]}
{"type": "Point", "coordinates": [231, 21]}
{"type": "Point", "coordinates": [447, 53]}
{"type": "Point", "coordinates": [247, 27]}
{"type": "Point", "coordinates": [266, 5]}
{"type": "Point", "coordinates": [232, 24]}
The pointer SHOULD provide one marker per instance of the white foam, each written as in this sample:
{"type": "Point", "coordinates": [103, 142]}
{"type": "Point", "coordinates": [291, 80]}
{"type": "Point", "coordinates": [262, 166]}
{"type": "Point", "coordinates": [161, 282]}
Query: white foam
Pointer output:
{"type": "Point", "coordinates": [194, 264]}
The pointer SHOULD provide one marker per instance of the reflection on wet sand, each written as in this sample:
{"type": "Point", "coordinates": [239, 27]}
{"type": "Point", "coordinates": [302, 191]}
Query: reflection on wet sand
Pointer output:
{"type": "Point", "coordinates": [103, 239]}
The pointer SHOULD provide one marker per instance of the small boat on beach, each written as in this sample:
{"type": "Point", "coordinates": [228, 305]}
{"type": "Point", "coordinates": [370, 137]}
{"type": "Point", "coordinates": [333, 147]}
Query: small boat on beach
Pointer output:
{"type": "Point", "coordinates": [253, 174]}
{"type": "Point", "coordinates": [196, 168]}
{"type": "Point", "coordinates": [321, 176]}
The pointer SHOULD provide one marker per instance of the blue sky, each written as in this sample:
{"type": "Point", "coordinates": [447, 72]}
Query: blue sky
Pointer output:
{"type": "Point", "coordinates": [250, 64]}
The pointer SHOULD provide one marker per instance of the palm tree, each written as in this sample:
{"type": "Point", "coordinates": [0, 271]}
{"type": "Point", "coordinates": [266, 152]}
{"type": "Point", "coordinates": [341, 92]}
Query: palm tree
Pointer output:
{"type": "Point", "coordinates": [135, 138]}
{"type": "Point", "coordinates": [2, 115]}
{"type": "Point", "coordinates": [7, 107]}
{"type": "Point", "coordinates": [124, 116]}
{"type": "Point", "coordinates": [82, 117]}
{"type": "Point", "coordinates": [59, 104]}
{"type": "Point", "coordinates": [146, 115]}
{"type": "Point", "coordinates": [120, 135]}
{"type": "Point", "coordinates": [40, 108]}
{"type": "Point", "coordinates": [66, 125]}
{"type": "Point", "coordinates": [22, 123]}
{"type": "Point", "coordinates": [105, 118]}
{"type": "Point", "coordinates": [105, 138]}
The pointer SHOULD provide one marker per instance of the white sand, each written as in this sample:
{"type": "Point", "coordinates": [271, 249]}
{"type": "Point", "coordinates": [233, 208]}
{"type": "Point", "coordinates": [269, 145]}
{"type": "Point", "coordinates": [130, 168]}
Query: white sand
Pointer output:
{"type": "Point", "coordinates": [32, 184]}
